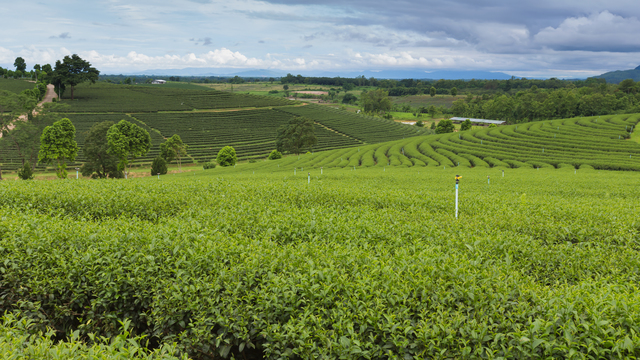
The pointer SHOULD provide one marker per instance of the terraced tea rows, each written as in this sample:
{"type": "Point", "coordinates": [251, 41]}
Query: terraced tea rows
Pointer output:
{"type": "Point", "coordinates": [252, 133]}
{"type": "Point", "coordinates": [103, 97]}
{"type": "Point", "coordinates": [365, 128]}
{"type": "Point", "coordinates": [596, 142]}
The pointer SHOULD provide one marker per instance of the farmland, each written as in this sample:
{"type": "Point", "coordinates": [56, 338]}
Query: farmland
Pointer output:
{"type": "Point", "coordinates": [594, 142]}
{"type": "Point", "coordinates": [15, 86]}
{"type": "Point", "coordinates": [357, 264]}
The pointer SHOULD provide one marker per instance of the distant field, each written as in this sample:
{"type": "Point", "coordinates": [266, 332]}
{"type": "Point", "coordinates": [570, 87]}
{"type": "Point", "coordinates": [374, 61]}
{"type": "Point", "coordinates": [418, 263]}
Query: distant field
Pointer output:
{"type": "Point", "coordinates": [426, 100]}
{"type": "Point", "coordinates": [14, 85]}
{"type": "Point", "coordinates": [104, 97]}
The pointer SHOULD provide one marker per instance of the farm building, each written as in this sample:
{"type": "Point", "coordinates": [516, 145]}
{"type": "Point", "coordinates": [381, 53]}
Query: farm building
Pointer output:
{"type": "Point", "coordinates": [483, 122]}
{"type": "Point", "coordinates": [158, 81]}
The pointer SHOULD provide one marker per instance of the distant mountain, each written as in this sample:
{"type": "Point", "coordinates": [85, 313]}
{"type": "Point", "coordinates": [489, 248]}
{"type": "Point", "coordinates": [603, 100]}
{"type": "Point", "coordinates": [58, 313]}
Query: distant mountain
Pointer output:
{"type": "Point", "coordinates": [615, 77]}
{"type": "Point", "coordinates": [382, 74]}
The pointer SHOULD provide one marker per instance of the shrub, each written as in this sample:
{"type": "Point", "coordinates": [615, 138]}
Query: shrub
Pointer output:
{"type": "Point", "coordinates": [433, 125]}
{"type": "Point", "coordinates": [26, 173]}
{"type": "Point", "coordinates": [466, 125]}
{"type": "Point", "coordinates": [209, 165]}
{"type": "Point", "coordinates": [419, 123]}
{"type": "Point", "coordinates": [273, 92]}
{"type": "Point", "coordinates": [227, 156]}
{"type": "Point", "coordinates": [275, 154]}
{"type": "Point", "coordinates": [158, 166]}
{"type": "Point", "coordinates": [444, 126]}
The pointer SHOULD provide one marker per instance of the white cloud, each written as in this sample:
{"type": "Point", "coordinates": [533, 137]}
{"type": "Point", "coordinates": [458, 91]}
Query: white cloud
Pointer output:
{"type": "Point", "coordinates": [602, 31]}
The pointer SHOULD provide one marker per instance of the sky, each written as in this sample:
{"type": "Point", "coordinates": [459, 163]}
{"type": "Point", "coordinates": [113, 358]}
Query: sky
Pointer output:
{"type": "Point", "coordinates": [541, 38]}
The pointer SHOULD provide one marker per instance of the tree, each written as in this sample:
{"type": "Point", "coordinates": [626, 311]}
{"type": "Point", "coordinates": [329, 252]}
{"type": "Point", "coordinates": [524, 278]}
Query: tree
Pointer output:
{"type": "Point", "coordinates": [73, 70]}
{"type": "Point", "coordinates": [432, 111]}
{"type": "Point", "coordinates": [444, 126]}
{"type": "Point", "coordinates": [58, 142]}
{"type": "Point", "coordinates": [99, 162]}
{"type": "Point", "coordinates": [433, 125]}
{"type": "Point", "coordinates": [432, 91]}
{"type": "Point", "coordinates": [158, 166]}
{"type": "Point", "coordinates": [349, 98]}
{"type": "Point", "coordinates": [275, 155]}
{"type": "Point", "coordinates": [20, 64]}
{"type": "Point", "coordinates": [227, 156]}
{"type": "Point", "coordinates": [174, 148]}
{"type": "Point", "coordinates": [25, 173]}
{"type": "Point", "coordinates": [348, 87]}
{"type": "Point", "coordinates": [419, 123]}
{"type": "Point", "coordinates": [296, 136]}
{"type": "Point", "coordinates": [466, 125]}
{"type": "Point", "coordinates": [376, 101]}
{"type": "Point", "coordinates": [126, 140]}
{"type": "Point", "coordinates": [285, 87]}
{"type": "Point", "coordinates": [454, 91]}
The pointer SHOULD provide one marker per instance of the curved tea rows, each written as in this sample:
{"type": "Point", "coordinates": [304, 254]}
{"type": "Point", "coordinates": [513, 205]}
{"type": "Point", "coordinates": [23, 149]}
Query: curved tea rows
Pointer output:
{"type": "Point", "coordinates": [598, 142]}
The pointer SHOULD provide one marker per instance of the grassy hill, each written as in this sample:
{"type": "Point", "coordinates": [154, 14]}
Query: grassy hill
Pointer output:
{"type": "Point", "coordinates": [615, 77]}
{"type": "Point", "coordinates": [594, 142]}
{"type": "Point", "coordinates": [15, 85]}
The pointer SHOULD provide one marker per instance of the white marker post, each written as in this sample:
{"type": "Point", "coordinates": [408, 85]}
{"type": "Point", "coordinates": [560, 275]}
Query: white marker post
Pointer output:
{"type": "Point", "coordinates": [488, 180]}
{"type": "Point", "coordinates": [502, 173]}
{"type": "Point", "coordinates": [77, 173]}
{"type": "Point", "coordinates": [320, 171]}
{"type": "Point", "coordinates": [158, 176]}
{"type": "Point", "coordinates": [458, 177]}
{"type": "Point", "coordinates": [308, 178]}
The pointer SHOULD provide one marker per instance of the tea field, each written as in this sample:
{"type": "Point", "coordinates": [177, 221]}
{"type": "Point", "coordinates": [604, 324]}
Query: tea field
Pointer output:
{"type": "Point", "coordinates": [595, 142]}
{"type": "Point", "coordinates": [357, 264]}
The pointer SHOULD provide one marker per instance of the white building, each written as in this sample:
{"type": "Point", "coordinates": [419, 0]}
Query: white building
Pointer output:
{"type": "Point", "coordinates": [158, 81]}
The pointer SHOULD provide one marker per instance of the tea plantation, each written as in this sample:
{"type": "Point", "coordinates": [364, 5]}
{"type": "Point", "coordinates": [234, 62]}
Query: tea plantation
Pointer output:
{"type": "Point", "coordinates": [596, 142]}
{"type": "Point", "coordinates": [365, 264]}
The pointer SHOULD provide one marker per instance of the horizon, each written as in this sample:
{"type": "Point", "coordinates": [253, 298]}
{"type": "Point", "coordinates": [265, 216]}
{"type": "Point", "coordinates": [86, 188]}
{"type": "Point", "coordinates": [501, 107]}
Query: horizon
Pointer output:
{"type": "Point", "coordinates": [532, 39]}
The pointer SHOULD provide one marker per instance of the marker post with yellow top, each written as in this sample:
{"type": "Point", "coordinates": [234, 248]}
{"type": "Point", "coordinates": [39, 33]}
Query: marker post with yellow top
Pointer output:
{"type": "Point", "coordinates": [458, 177]}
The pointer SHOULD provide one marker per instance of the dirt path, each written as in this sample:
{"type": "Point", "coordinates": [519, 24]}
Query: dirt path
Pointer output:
{"type": "Point", "coordinates": [48, 97]}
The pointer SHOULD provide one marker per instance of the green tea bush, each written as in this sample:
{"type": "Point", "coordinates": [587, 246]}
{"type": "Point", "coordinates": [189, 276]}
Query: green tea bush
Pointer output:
{"type": "Point", "coordinates": [209, 165]}
{"type": "Point", "coordinates": [274, 155]}
{"type": "Point", "coordinates": [226, 156]}
{"type": "Point", "coordinates": [159, 166]}
{"type": "Point", "coordinates": [25, 173]}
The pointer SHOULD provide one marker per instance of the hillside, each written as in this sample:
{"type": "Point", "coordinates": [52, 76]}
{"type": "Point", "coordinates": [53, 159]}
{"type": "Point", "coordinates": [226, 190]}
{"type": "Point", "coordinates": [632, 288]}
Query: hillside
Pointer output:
{"type": "Point", "coordinates": [615, 77]}
{"type": "Point", "coordinates": [208, 120]}
{"type": "Point", "coordinates": [594, 142]}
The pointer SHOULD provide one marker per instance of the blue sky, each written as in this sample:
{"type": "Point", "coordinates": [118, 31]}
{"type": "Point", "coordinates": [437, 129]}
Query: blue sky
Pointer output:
{"type": "Point", "coordinates": [540, 38]}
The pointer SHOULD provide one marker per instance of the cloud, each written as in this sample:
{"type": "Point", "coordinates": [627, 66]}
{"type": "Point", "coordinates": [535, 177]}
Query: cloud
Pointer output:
{"type": "Point", "coordinates": [206, 41]}
{"type": "Point", "coordinates": [64, 35]}
{"type": "Point", "coordinates": [260, 41]}
{"type": "Point", "coordinates": [603, 31]}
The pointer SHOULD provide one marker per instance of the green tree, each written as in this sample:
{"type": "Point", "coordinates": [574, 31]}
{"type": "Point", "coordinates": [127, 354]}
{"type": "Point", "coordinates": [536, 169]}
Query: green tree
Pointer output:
{"type": "Point", "coordinates": [296, 136]}
{"type": "Point", "coordinates": [454, 91]}
{"type": "Point", "coordinates": [433, 125]}
{"type": "Point", "coordinates": [126, 140]}
{"type": "Point", "coordinates": [73, 70]}
{"type": "Point", "coordinates": [466, 125]}
{"type": "Point", "coordinates": [99, 162]}
{"type": "Point", "coordinates": [285, 87]}
{"type": "Point", "coordinates": [348, 87]}
{"type": "Point", "coordinates": [275, 155]}
{"type": "Point", "coordinates": [227, 156]}
{"type": "Point", "coordinates": [174, 148]}
{"type": "Point", "coordinates": [444, 126]}
{"type": "Point", "coordinates": [432, 91]}
{"type": "Point", "coordinates": [348, 98]}
{"type": "Point", "coordinates": [419, 123]}
{"type": "Point", "coordinates": [158, 166]}
{"type": "Point", "coordinates": [26, 173]}
{"type": "Point", "coordinates": [376, 101]}
{"type": "Point", "coordinates": [20, 64]}
{"type": "Point", "coordinates": [432, 111]}
{"type": "Point", "coordinates": [58, 143]}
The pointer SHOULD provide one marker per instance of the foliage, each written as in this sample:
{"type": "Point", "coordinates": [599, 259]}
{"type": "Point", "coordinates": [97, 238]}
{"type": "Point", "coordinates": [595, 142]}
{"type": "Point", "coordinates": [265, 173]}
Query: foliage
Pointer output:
{"type": "Point", "coordinates": [20, 64]}
{"type": "Point", "coordinates": [454, 91]}
{"type": "Point", "coordinates": [466, 125]}
{"type": "Point", "coordinates": [349, 99]}
{"type": "Point", "coordinates": [159, 166]}
{"type": "Point", "coordinates": [433, 125]}
{"type": "Point", "coordinates": [99, 163]}
{"type": "Point", "coordinates": [444, 126]}
{"type": "Point", "coordinates": [393, 274]}
{"type": "Point", "coordinates": [209, 165]}
{"type": "Point", "coordinates": [296, 136]}
{"type": "Point", "coordinates": [26, 173]}
{"type": "Point", "coordinates": [375, 101]}
{"type": "Point", "coordinates": [126, 140]}
{"type": "Point", "coordinates": [226, 156]}
{"type": "Point", "coordinates": [73, 70]}
{"type": "Point", "coordinates": [275, 155]}
{"type": "Point", "coordinates": [432, 91]}
{"type": "Point", "coordinates": [58, 143]}
{"type": "Point", "coordinates": [419, 123]}
{"type": "Point", "coordinates": [174, 148]}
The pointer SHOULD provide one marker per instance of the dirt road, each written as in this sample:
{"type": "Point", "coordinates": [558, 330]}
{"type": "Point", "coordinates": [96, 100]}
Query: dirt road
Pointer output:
{"type": "Point", "coordinates": [48, 97]}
